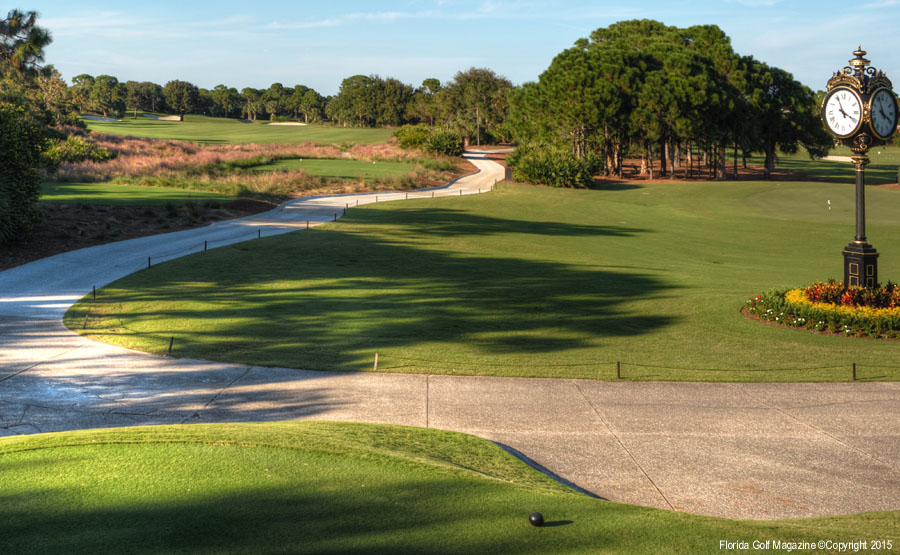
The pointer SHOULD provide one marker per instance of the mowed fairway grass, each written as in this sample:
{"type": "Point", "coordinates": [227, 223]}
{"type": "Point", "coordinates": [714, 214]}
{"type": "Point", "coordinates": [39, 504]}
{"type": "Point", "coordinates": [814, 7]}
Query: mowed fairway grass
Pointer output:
{"type": "Point", "coordinates": [202, 129]}
{"type": "Point", "coordinates": [345, 169]}
{"type": "Point", "coordinates": [524, 281]}
{"type": "Point", "coordinates": [312, 487]}
{"type": "Point", "coordinates": [123, 195]}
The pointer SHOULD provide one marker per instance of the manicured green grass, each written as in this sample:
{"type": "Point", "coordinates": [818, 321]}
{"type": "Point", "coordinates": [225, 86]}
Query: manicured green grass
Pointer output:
{"type": "Point", "coordinates": [344, 169]}
{"type": "Point", "coordinates": [122, 195]}
{"type": "Point", "coordinates": [203, 129]}
{"type": "Point", "coordinates": [524, 281]}
{"type": "Point", "coordinates": [311, 487]}
{"type": "Point", "coordinates": [882, 169]}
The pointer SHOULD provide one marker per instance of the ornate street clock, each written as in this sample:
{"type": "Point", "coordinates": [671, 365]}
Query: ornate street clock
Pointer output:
{"type": "Point", "coordinates": [860, 111]}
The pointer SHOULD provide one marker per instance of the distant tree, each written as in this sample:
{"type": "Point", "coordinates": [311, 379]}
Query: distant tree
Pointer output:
{"type": "Point", "coordinates": [107, 95]}
{"type": "Point", "coordinates": [311, 105]}
{"type": "Point", "coordinates": [133, 98]}
{"type": "Point", "coordinates": [227, 100]}
{"type": "Point", "coordinates": [181, 97]}
{"type": "Point", "coordinates": [357, 100]}
{"type": "Point", "coordinates": [785, 115]}
{"type": "Point", "coordinates": [80, 92]}
{"type": "Point", "coordinates": [392, 98]}
{"type": "Point", "coordinates": [422, 106]}
{"type": "Point", "coordinates": [53, 96]}
{"type": "Point", "coordinates": [151, 96]}
{"type": "Point", "coordinates": [206, 105]}
{"type": "Point", "coordinates": [253, 104]}
{"type": "Point", "coordinates": [477, 101]}
{"type": "Point", "coordinates": [274, 98]}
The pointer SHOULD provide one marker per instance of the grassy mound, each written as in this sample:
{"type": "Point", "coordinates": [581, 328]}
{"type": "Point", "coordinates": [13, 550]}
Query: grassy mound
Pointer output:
{"type": "Point", "coordinates": [346, 169]}
{"type": "Point", "coordinates": [123, 195]}
{"type": "Point", "coordinates": [524, 281]}
{"type": "Point", "coordinates": [307, 487]}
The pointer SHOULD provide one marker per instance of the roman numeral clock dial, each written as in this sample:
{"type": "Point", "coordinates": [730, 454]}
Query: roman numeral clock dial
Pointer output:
{"type": "Point", "coordinates": [843, 112]}
{"type": "Point", "coordinates": [883, 113]}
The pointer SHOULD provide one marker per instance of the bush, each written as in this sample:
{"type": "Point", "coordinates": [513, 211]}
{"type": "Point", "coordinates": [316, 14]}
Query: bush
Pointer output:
{"type": "Point", "coordinates": [21, 139]}
{"type": "Point", "coordinates": [412, 136]}
{"type": "Point", "coordinates": [553, 167]}
{"type": "Point", "coordinates": [76, 149]}
{"type": "Point", "coordinates": [444, 142]}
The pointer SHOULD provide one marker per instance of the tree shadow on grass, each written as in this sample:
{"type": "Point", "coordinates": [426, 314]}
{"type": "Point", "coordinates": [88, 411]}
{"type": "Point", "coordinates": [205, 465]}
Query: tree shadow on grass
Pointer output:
{"type": "Point", "coordinates": [331, 299]}
{"type": "Point", "coordinates": [432, 515]}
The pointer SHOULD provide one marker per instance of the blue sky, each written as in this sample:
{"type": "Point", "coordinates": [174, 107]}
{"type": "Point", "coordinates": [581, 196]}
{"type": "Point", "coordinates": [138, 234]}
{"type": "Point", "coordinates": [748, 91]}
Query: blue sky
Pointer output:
{"type": "Point", "coordinates": [241, 43]}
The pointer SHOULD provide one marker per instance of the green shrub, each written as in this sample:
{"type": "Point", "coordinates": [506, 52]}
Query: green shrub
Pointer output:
{"type": "Point", "coordinates": [553, 167]}
{"type": "Point", "coordinates": [444, 142]}
{"type": "Point", "coordinates": [76, 149]}
{"type": "Point", "coordinates": [412, 136]}
{"type": "Point", "coordinates": [22, 137]}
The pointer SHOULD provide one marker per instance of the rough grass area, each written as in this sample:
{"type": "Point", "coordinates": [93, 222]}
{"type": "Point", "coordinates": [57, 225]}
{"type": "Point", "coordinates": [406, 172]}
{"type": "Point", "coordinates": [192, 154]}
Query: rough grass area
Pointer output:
{"type": "Point", "coordinates": [308, 487]}
{"type": "Point", "coordinates": [525, 281]}
{"type": "Point", "coordinates": [202, 129]}
{"type": "Point", "coordinates": [123, 195]}
{"type": "Point", "coordinates": [234, 169]}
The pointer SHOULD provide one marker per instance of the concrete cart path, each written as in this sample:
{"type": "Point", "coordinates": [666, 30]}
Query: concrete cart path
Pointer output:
{"type": "Point", "coordinates": [757, 451]}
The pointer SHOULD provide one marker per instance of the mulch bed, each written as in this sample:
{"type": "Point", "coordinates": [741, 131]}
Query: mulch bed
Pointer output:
{"type": "Point", "coordinates": [68, 227]}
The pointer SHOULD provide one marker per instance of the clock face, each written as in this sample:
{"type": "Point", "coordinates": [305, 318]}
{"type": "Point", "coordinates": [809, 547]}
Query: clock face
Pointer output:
{"type": "Point", "coordinates": [883, 113]}
{"type": "Point", "coordinates": [842, 112]}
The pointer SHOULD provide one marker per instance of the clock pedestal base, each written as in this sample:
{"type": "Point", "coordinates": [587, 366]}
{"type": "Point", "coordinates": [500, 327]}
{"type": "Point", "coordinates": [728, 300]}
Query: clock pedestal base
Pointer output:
{"type": "Point", "coordinates": [860, 265]}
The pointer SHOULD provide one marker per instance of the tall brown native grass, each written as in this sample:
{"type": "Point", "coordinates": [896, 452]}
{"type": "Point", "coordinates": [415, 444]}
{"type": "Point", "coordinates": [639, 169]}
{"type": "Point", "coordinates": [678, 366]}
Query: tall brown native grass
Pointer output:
{"type": "Point", "coordinates": [221, 168]}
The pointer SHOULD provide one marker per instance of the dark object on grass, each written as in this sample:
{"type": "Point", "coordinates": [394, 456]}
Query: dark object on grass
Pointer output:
{"type": "Point", "coordinates": [536, 519]}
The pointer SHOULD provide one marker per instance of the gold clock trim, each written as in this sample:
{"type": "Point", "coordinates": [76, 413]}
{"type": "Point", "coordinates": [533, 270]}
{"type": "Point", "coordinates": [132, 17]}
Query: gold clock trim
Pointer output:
{"type": "Point", "coordinates": [862, 116]}
{"type": "Point", "coordinates": [869, 113]}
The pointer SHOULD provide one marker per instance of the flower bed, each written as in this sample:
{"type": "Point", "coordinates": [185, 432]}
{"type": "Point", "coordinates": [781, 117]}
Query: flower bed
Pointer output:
{"type": "Point", "coordinates": [829, 308]}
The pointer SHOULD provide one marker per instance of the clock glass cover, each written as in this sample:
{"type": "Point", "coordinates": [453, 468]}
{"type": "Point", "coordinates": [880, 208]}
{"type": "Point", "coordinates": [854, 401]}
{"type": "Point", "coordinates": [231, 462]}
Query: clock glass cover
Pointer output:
{"type": "Point", "coordinates": [842, 112]}
{"type": "Point", "coordinates": [883, 113]}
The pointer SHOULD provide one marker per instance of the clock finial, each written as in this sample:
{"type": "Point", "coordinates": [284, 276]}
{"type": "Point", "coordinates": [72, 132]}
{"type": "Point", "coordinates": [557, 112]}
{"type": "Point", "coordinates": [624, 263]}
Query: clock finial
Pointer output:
{"type": "Point", "coordinates": [859, 62]}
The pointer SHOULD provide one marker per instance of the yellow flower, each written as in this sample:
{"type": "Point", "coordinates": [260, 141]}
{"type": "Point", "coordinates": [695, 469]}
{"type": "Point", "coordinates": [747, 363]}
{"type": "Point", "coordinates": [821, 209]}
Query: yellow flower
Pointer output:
{"type": "Point", "coordinates": [796, 297]}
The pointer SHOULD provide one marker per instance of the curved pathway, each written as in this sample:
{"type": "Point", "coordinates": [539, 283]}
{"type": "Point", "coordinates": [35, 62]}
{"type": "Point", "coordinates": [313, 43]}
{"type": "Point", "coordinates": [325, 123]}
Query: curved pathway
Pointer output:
{"type": "Point", "coordinates": [757, 451]}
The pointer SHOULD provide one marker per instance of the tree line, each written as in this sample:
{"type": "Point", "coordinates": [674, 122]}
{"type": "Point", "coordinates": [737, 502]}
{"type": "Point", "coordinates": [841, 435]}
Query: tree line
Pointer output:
{"type": "Point", "coordinates": [474, 101]}
{"type": "Point", "coordinates": [665, 92]}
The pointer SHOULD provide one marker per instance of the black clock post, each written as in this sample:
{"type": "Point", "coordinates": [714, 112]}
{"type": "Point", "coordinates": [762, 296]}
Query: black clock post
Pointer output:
{"type": "Point", "coordinates": [860, 258]}
{"type": "Point", "coordinates": [860, 111]}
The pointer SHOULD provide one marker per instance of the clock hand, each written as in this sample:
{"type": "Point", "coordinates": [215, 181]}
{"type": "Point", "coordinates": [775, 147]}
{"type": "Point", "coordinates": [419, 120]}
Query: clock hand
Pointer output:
{"type": "Point", "coordinates": [841, 108]}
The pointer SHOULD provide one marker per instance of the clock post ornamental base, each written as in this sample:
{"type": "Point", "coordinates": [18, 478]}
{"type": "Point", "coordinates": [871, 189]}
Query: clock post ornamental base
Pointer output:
{"type": "Point", "coordinates": [860, 265]}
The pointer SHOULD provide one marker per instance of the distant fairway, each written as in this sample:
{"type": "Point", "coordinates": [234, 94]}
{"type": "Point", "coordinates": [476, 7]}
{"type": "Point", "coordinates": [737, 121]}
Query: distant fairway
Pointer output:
{"type": "Point", "coordinates": [344, 169]}
{"type": "Point", "coordinates": [317, 487]}
{"type": "Point", "coordinates": [525, 281]}
{"type": "Point", "coordinates": [202, 129]}
{"type": "Point", "coordinates": [882, 168]}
